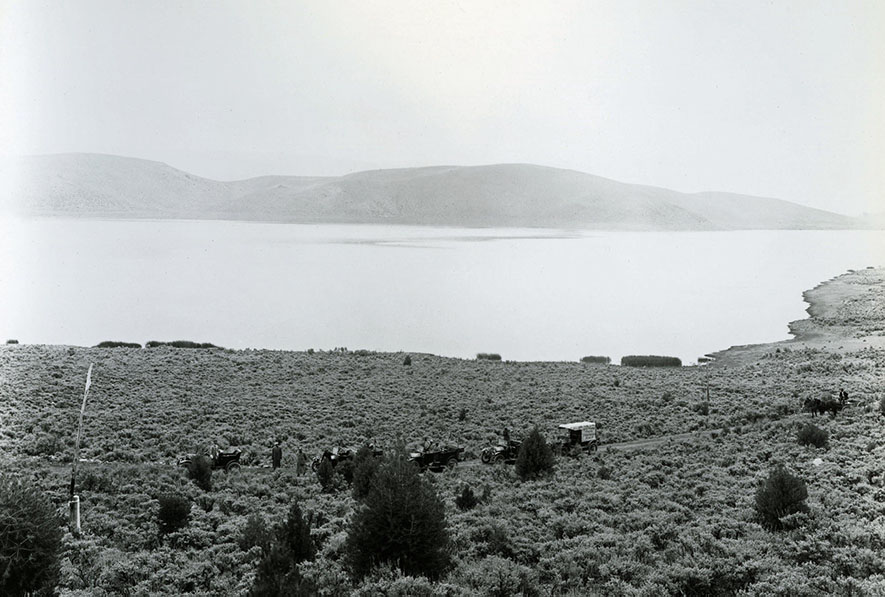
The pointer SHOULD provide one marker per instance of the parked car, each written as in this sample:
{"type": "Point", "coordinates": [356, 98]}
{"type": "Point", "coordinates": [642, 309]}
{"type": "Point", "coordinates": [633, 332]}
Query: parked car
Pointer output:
{"type": "Point", "coordinates": [228, 460]}
{"type": "Point", "coordinates": [504, 452]}
{"type": "Point", "coordinates": [338, 454]}
{"type": "Point", "coordinates": [438, 459]}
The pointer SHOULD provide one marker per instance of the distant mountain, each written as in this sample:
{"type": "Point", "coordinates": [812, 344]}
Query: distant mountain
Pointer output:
{"type": "Point", "coordinates": [520, 195]}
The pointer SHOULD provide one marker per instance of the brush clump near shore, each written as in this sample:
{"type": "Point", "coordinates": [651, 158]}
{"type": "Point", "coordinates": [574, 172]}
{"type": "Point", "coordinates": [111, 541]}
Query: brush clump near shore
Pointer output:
{"type": "Point", "coordinates": [677, 518]}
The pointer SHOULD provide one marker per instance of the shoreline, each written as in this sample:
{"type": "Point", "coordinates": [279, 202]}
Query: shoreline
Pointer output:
{"type": "Point", "coordinates": [830, 324]}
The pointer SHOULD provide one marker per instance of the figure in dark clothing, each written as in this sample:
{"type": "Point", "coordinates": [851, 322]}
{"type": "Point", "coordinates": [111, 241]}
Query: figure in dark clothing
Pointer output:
{"type": "Point", "coordinates": [843, 396]}
{"type": "Point", "coordinates": [506, 436]}
{"type": "Point", "coordinates": [300, 462]}
{"type": "Point", "coordinates": [276, 455]}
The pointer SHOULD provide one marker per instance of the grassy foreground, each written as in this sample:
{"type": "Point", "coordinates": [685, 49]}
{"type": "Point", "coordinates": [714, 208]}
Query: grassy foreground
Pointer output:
{"type": "Point", "coordinates": [676, 519]}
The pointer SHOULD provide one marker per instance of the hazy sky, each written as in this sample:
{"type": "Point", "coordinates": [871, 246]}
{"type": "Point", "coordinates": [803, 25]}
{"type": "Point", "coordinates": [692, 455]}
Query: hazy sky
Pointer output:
{"type": "Point", "coordinates": [770, 98]}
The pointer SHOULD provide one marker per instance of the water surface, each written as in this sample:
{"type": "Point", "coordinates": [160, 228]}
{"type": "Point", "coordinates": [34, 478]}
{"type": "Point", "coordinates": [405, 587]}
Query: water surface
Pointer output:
{"type": "Point", "coordinates": [526, 294]}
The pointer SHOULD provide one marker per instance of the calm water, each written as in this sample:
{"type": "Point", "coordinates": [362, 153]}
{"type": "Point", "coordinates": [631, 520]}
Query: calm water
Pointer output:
{"type": "Point", "coordinates": [525, 294]}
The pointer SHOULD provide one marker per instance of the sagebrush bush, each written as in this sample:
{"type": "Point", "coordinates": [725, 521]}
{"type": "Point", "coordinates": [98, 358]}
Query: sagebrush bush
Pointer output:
{"type": "Point", "coordinates": [596, 360]}
{"type": "Point", "coordinates": [407, 360]}
{"type": "Point", "coordinates": [535, 458]}
{"type": "Point", "coordinates": [650, 361]}
{"type": "Point", "coordinates": [779, 496]}
{"type": "Point", "coordinates": [12, 341]}
{"type": "Point", "coordinates": [402, 523]}
{"type": "Point", "coordinates": [812, 435]}
{"type": "Point", "coordinates": [487, 356]}
{"type": "Point", "coordinates": [326, 474]}
{"type": "Point", "coordinates": [30, 540]}
{"type": "Point", "coordinates": [200, 471]}
{"type": "Point", "coordinates": [174, 513]}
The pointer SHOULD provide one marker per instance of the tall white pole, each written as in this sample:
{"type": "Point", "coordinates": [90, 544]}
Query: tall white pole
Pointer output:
{"type": "Point", "coordinates": [75, 499]}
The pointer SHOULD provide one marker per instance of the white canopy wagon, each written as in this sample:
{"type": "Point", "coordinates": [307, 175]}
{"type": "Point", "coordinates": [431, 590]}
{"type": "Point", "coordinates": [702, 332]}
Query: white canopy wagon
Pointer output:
{"type": "Point", "coordinates": [580, 436]}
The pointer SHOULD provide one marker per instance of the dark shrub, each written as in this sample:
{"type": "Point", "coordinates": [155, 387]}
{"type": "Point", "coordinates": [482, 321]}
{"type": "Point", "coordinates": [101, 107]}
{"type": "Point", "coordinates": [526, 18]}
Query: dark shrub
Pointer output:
{"type": "Point", "coordinates": [402, 523]}
{"type": "Point", "coordinates": [365, 465]}
{"type": "Point", "coordinates": [179, 344]}
{"type": "Point", "coordinates": [780, 495]}
{"type": "Point", "coordinates": [200, 470]}
{"type": "Point", "coordinates": [812, 435]}
{"type": "Point", "coordinates": [326, 474]}
{"type": "Point", "coordinates": [467, 500]}
{"type": "Point", "coordinates": [462, 414]}
{"type": "Point", "coordinates": [277, 573]}
{"type": "Point", "coordinates": [174, 513]}
{"type": "Point", "coordinates": [882, 405]}
{"type": "Point", "coordinates": [702, 408]}
{"type": "Point", "coordinates": [604, 473]}
{"type": "Point", "coordinates": [407, 360]}
{"type": "Point", "coordinates": [11, 341]}
{"type": "Point", "coordinates": [650, 361]}
{"type": "Point", "coordinates": [116, 344]}
{"type": "Point", "coordinates": [255, 533]}
{"type": "Point", "coordinates": [345, 471]}
{"type": "Point", "coordinates": [485, 356]}
{"type": "Point", "coordinates": [30, 540]}
{"type": "Point", "coordinates": [535, 459]}
{"type": "Point", "coordinates": [597, 360]}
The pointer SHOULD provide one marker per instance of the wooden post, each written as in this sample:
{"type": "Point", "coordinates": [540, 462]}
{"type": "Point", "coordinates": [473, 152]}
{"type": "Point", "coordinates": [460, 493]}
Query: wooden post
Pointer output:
{"type": "Point", "coordinates": [75, 515]}
{"type": "Point", "coordinates": [75, 499]}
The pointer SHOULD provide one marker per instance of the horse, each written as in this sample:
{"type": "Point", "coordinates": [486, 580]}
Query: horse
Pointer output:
{"type": "Point", "coordinates": [818, 406]}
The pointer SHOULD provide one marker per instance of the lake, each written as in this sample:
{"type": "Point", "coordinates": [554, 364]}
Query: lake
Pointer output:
{"type": "Point", "coordinates": [525, 294]}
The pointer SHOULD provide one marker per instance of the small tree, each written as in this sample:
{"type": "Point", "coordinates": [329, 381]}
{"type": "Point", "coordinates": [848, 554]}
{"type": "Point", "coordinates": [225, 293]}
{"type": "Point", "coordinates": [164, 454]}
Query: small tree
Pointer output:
{"type": "Point", "coordinates": [467, 500]}
{"type": "Point", "coordinates": [535, 459]}
{"type": "Point", "coordinates": [401, 523]}
{"type": "Point", "coordinates": [779, 496]}
{"type": "Point", "coordinates": [174, 513]}
{"type": "Point", "coordinates": [812, 435]}
{"type": "Point", "coordinates": [365, 465]}
{"type": "Point", "coordinates": [277, 573]}
{"type": "Point", "coordinates": [200, 470]}
{"type": "Point", "coordinates": [30, 540]}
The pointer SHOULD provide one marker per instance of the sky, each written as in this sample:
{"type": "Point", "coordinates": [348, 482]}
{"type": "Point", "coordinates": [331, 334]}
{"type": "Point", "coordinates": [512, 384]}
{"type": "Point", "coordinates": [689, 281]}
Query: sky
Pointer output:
{"type": "Point", "coordinates": [780, 99]}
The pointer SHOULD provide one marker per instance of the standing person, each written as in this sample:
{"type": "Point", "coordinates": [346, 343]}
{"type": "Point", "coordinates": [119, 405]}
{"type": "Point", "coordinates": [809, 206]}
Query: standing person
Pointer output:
{"type": "Point", "coordinates": [843, 396]}
{"type": "Point", "coordinates": [300, 462]}
{"type": "Point", "coordinates": [213, 452]}
{"type": "Point", "coordinates": [507, 437]}
{"type": "Point", "coordinates": [276, 455]}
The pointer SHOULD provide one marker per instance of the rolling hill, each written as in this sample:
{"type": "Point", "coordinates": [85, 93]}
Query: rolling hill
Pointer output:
{"type": "Point", "coordinates": [505, 195]}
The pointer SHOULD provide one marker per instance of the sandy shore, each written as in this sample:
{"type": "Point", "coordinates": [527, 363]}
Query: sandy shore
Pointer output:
{"type": "Point", "coordinates": [846, 314]}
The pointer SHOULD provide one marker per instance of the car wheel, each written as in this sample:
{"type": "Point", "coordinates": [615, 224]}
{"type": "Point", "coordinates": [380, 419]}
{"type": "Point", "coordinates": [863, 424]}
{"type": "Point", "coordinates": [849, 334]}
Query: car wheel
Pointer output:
{"type": "Point", "coordinates": [233, 467]}
{"type": "Point", "coordinates": [451, 463]}
{"type": "Point", "coordinates": [486, 455]}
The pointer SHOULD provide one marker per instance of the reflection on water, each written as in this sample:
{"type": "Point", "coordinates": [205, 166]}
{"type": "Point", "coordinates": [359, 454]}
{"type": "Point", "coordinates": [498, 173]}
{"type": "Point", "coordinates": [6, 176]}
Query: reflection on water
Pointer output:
{"type": "Point", "coordinates": [526, 294]}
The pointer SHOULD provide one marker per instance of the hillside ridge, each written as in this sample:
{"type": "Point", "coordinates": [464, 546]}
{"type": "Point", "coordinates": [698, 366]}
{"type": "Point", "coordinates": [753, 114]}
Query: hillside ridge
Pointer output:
{"type": "Point", "coordinates": [499, 195]}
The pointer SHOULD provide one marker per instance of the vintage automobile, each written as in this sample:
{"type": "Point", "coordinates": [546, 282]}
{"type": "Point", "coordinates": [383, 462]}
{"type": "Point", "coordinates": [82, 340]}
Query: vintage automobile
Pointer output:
{"type": "Point", "coordinates": [338, 454]}
{"type": "Point", "coordinates": [504, 452]}
{"type": "Point", "coordinates": [437, 459]}
{"type": "Point", "coordinates": [228, 460]}
{"type": "Point", "coordinates": [579, 437]}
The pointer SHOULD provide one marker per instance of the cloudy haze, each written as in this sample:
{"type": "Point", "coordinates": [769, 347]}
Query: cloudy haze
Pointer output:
{"type": "Point", "coordinates": [768, 98]}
